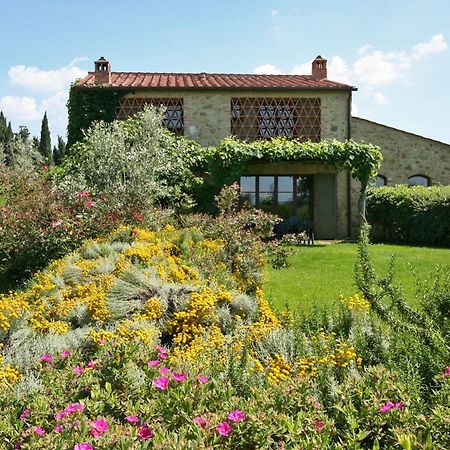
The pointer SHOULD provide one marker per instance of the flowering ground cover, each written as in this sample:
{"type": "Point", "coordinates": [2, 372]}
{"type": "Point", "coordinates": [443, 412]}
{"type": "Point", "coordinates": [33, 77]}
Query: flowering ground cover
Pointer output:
{"type": "Point", "coordinates": [164, 339]}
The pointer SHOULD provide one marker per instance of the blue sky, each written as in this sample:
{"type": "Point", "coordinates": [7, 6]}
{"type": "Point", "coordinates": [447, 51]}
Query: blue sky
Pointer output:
{"type": "Point", "coordinates": [396, 53]}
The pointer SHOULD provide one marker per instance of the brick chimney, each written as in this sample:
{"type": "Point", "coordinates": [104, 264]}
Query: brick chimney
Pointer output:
{"type": "Point", "coordinates": [319, 68]}
{"type": "Point", "coordinates": [102, 73]}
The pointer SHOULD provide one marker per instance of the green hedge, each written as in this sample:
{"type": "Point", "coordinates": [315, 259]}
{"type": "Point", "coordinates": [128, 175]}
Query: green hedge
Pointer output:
{"type": "Point", "coordinates": [412, 215]}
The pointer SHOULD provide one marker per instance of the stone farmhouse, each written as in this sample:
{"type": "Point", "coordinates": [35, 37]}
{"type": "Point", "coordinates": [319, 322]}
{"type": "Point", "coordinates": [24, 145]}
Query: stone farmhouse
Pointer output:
{"type": "Point", "coordinates": [208, 107]}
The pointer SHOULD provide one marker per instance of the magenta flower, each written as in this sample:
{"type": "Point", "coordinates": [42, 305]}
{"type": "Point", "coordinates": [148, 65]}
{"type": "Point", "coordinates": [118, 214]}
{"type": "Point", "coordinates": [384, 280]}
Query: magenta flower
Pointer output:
{"type": "Point", "coordinates": [99, 427]}
{"type": "Point", "coordinates": [91, 364]}
{"type": "Point", "coordinates": [153, 363]}
{"type": "Point", "coordinates": [74, 407]}
{"type": "Point", "coordinates": [202, 379]}
{"type": "Point", "coordinates": [65, 354]}
{"type": "Point", "coordinates": [388, 406]}
{"type": "Point", "coordinates": [24, 415]}
{"type": "Point", "coordinates": [145, 432]}
{"type": "Point", "coordinates": [200, 421]}
{"type": "Point", "coordinates": [78, 370]}
{"type": "Point", "coordinates": [165, 371]}
{"type": "Point", "coordinates": [162, 352]}
{"type": "Point", "coordinates": [224, 429]}
{"type": "Point", "coordinates": [46, 358]}
{"type": "Point", "coordinates": [39, 431]}
{"type": "Point", "coordinates": [161, 383]}
{"type": "Point", "coordinates": [132, 419]}
{"type": "Point", "coordinates": [399, 405]}
{"type": "Point", "coordinates": [58, 429]}
{"type": "Point", "coordinates": [162, 355]}
{"type": "Point", "coordinates": [237, 416]}
{"type": "Point", "coordinates": [319, 424]}
{"type": "Point", "coordinates": [83, 446]}
{"type": "Point", "coordinates": [179, 376]}
{"type": "Point", "coordinates": [446, 372]}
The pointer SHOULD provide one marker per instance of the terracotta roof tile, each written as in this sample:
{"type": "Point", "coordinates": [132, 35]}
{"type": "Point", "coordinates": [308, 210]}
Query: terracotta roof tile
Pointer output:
{"type": "Point", "coordinates": [213, 80]}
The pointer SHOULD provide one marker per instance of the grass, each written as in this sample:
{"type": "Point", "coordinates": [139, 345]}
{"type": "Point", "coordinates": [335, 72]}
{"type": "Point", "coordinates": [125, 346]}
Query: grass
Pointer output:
{"type": "Point", "coordinates": [319, 273]}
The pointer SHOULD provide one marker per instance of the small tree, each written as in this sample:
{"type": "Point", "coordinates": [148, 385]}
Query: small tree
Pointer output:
{"type": "Point", "coordinates": [45, 144]}
{"type": "Point", "coordinates": [59, 151]}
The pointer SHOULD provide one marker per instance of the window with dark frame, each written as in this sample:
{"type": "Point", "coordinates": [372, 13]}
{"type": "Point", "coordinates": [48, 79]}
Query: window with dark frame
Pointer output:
{"type": "Point", "coordinates": [284, 195]}
{"type": "Point", "coordinates": [419, 180]}
{"type": "Point", "coordinates": [173, 115]}
{"type": "Point", "coordinates": [264, 118]}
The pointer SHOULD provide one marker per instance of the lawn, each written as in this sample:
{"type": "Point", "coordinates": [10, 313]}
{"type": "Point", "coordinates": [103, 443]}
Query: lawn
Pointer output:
{"type": "Point", "coordinates": [320, 273]}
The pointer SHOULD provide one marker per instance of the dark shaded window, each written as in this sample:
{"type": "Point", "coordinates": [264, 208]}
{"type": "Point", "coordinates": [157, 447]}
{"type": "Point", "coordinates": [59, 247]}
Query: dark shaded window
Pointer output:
{"type": "Point", "coordinates": [284, 195]}
{"type": "Point", "coordinates": [419, 180]}
{"type": "Point", "coordinates": [264, 118]}
{"type": "Point", "coordinates": [173, 115]}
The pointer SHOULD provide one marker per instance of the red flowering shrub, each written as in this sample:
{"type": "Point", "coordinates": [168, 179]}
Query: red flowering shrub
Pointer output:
{"type": "Point", "coordinates": [38, 224]}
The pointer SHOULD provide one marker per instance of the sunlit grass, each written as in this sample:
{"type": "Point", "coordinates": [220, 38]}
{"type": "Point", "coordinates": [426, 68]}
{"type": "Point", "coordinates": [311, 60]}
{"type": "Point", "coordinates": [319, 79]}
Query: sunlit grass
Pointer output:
{"type": "Point", "coordinates": [320, 273]}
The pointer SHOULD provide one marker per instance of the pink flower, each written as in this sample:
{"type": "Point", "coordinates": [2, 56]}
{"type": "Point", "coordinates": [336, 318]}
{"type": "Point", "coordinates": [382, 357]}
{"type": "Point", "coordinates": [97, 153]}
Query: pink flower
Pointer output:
{"type": "Point", "coordinates": [65, 354]}
{"type": "Point", "coordinates": [91, 364]}
{"type": "Point", "coordinates": [83, 446]}
{"type": "Point", "coordinates": [153, 363]}
{"type": "Point", "coordinates": [162, 352]}
{"type": "Point", "coordinates": [56, 224]}
{"type": "Point", "coordinates": [224, 429]}
{"type": "Point", "coordinates": [399, 405]}
{"type": "Point", "coordinates": [200, 421]}
{"type": "Point", "coordinates": [237, 416]}
{"type": "Point", "coordinates": [83, 194]}
{"type": "Point", "coordinates": [165, 371]}
{"type": "Point", "coordinates": [145, 432]}
{"type": "Point", "coordinates": [78, 370]}
{"type": "Point", "coordinates": [161, 383]}
{"type": "Point", "coordinates": [74, 407]}
{"type": "Point", "coordinates": [179, 376]}
{"type": "Point", "coordinates": [446, 372]}
{"type": "Point", "coordinates": [39, 431]}
{"type": "Point", "coordinates": [202, 379]}
{"type": "Point", "coordinates": [132, 419]}
{"type": "Point", "coordinates": [139, 217]}
{"type": "Point", "coordinates": [24, 415]}
{"type": "Point", "coordinates": [319, 424]}
{"type": "Point", "coordinates": [58, 429]}
{"type": "Point", "coordinates": [388, 406]}
{"type": "Point", "coordinates": [90, 204]}
{"type": "Point", "coordinates": [99, 427]}
{"type": "Point", "coordinates": [46, 358]}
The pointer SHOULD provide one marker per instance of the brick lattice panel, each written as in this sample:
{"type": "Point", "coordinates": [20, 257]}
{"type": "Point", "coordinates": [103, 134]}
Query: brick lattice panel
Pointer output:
{"type": "Point", "coordinates": [263, 118]}
{"type": "Point", "coordinates": [173, 115]}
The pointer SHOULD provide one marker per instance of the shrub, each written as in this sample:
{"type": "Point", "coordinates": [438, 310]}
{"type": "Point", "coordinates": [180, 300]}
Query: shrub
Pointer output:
{"type": "Point", "coordinates": [413, 215]}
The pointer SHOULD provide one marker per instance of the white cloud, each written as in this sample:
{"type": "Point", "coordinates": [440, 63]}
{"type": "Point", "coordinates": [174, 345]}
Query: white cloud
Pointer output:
{"type": "Point", "coordinates": [435, 45]}
{"type": "Point", "coordinates": [44, 80]}
{"type": "Point", "coordinates": [380, 98]}
{"type": "Point", "coordinates": [379, 67]}
{"type": "Point", "coordinates": [18, 108]}
{"type": "Point", "coordinates": [338, 70]}
{"type": "Point", "coordinates": [365, 49]}
{"type": "Point", "coordinates": [275, 12]}
{"type": "Point", "coordinates": [267, 69]}
{"type": "Point", "coordinates": [301, 69]}
{"type": "Point", "coordinates": [78, 59]}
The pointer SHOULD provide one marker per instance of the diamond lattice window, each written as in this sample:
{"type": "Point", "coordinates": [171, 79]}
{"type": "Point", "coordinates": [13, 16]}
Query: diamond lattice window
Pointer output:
{"type": "Point", "coordinates": [173, 116]}
{"type": "Point", "coordinates": [263, 118]}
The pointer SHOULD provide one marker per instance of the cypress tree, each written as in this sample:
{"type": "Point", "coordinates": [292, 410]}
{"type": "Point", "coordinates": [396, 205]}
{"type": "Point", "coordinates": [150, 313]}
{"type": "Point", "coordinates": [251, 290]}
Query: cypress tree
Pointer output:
{"type": "Point", "coordinates": [59, 151]}
{"type": "Point", "coordinates": [45, 144]}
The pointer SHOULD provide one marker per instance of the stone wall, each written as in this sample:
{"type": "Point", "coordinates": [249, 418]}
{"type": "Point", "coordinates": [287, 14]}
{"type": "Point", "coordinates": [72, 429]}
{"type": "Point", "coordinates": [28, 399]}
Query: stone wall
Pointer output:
{"type": "Point", "coordinates": [207, 113]}
{"type": "Point", "coordinates": [405, 154]}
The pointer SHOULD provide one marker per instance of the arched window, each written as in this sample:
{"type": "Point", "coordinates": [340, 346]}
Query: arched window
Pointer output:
{"type": "Point", "coordinates": [419, 180]}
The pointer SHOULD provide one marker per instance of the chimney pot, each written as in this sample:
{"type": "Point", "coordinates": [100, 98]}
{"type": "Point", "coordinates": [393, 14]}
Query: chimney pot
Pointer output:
{"type": "Point", "coordinates": [319, 68]}
{"type": "Point", "coordinates": [102, 73]}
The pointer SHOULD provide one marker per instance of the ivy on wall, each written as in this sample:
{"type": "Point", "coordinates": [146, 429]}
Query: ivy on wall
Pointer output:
{"type": "Point", "coordinates": [88, 105]}
{"type": "Point", "coordinates": [228, 161]}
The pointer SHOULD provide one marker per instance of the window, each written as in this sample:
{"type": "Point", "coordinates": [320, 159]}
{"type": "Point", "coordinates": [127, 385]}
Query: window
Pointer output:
{"type": "Point", "coordinates": [173, 116]}
{"type": "Point", "coordinates": [419, 180]}
{"type": "Point", "coordinates": [264, 118]}
{"type": "Point", "coordinates": [284, 195]}
{"type": "Point", "coordinates": [379, 181]}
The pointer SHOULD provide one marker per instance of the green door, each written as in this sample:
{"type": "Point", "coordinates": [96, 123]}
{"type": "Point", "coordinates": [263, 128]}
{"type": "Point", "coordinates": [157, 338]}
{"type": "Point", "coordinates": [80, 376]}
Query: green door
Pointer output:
{"type": "Point", "coordinates": [325, 206]}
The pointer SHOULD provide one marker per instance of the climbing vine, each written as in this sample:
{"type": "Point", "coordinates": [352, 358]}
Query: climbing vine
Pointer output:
{"type": "Point", "coordinates": [88, 105]}
{"type": "Point", "coordinates": [228, 161]}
